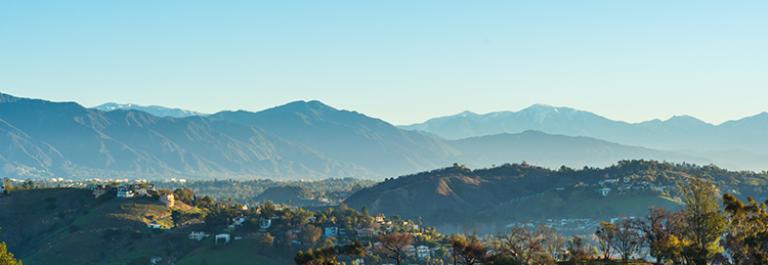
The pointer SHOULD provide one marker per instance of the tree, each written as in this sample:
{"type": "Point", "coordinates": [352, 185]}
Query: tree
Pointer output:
{"type": "Point", "coordinates": [704, 223]}
{"type": "Point", "coordinates": [7, 186]}
{"type": "Point", "coordinates": [659, 233]}
{"type": "Point", "coordinates": [6, 257]}
{"type": "Point", "coordinates": [393, 245]}
{"type": "Point", "coordinates": [468, 248]}
{"type": "Point", "coordinates": [605, 234]}
{"type": "Point", "coordinates": [311, 234]}
{"type": "Point", "coordinates": [554, 243]}
{"type": "Point", "coordinates": [628, 238]}
{"type": "Point", "coordinates": [746, 239]}
{"type": "Point", "coordinates": [525, 245]}
{"type": "Point", "coordinates": [185, 195]}
{"type": "Point", "coordinates": [577, 249]}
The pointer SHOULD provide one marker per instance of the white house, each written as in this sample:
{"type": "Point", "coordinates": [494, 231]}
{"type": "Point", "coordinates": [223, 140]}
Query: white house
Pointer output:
{"type": "Point", "coordinates": [604, 191]}
{"type": "Point", "coordinates": [154, 226]}
{"type": "Point", "coordinates": [238, 221]}
{"type": "Point", "coordinates": [224, 238]}
{"type": "Point", "coordinates": [423, 252]}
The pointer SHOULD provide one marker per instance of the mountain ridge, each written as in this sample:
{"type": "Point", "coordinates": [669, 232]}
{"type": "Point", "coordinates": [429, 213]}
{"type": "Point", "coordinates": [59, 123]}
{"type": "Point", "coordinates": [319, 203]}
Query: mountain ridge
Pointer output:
{"type": "Point", "coordinates": [678, 133]}
{"type": "Point", "coordinates": [300, 139]}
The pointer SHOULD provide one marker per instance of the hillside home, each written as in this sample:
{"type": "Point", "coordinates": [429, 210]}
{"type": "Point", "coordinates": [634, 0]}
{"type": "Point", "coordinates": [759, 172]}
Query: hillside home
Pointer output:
{"type": "Point", "coordinates": [265, 223]}
{"type": "Point", "coordinates": [154, 226]}
{"type": "Point", "coordinates": [379, 218]}
{"type": "Point", "coordinates": [197, 235]}
{"type": "Point", "coordinates": [155, 260]}
{"type": "Point", "coordinates": [423, 252]}
{"type": "Point", "coordinates": [365, 233]}
{"type": "Point", "coordinates": [410, 251]}
{"type": "Point", "coordinates": [125, 192]}
{"type": "Point", "coordinates": [222, 238]}
{"type": "Point", "coordinates": [609, 181]}
{"type": "Point", "coordinates": [330, 231]}
{"type": "Point", "coordinates": [238, 221]}
{"type": "Point", "coordinates": [604, 191]}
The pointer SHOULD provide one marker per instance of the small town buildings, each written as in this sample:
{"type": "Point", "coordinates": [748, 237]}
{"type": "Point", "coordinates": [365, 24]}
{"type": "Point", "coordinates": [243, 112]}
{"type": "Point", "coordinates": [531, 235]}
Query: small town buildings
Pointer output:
{"type": "Point", "coordinates": [222, 238]}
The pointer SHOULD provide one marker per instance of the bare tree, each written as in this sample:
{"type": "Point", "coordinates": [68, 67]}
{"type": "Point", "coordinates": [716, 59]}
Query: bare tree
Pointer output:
{"type": "Point", "coordinates": [605, 234]}
{"type": "Point", "coordinates": [629, 238]}
{"type": "Point", "coordinates": [393, 245]}
{"type": "Point", "coordinates": [524, 245]}
{"type": "Point", "coordinates": [468, 248]}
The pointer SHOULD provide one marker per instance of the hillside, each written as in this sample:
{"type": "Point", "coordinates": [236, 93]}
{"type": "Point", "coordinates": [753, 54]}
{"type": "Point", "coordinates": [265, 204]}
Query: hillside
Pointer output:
{"type": "Point", "coordinates": [517, 192]}
{"type": "Point", "coordinates": [71, 227]}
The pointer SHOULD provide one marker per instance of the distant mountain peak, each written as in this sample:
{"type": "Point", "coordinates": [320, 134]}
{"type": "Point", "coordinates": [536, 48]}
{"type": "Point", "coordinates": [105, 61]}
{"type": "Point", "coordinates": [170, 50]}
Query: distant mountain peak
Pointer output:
{"type": "Point", "coordinates": [303, 105]}
{"type": "Point", "coordinates": [467, 113]}
{"type": "Point", "coordinates": [545, 108]}
{"type": "Point", "coordinates": [685, 120]}
{"type": "Point", "coordinates": [155, 110]}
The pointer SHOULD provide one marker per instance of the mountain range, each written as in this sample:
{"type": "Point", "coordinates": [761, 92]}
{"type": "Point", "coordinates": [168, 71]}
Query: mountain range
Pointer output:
{"type": "Point", "coordinates": [737, 144]}
{"type": "Point", "coordinates": [302, 139]}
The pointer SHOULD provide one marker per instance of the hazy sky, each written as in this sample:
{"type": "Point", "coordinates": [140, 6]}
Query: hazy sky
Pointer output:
{"type": "Point", "coordinates": [403, 61]}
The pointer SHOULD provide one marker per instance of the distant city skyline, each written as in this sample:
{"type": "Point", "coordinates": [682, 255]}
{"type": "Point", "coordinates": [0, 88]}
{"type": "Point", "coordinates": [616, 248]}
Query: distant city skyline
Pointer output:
{"type": "Point", "coordinates": [401, 61]}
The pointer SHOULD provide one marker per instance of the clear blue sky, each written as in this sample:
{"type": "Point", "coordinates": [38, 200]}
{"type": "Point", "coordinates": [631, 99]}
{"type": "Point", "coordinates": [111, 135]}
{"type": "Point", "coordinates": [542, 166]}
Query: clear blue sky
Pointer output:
{"type": "Point", "coordinates": [403, 61]}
